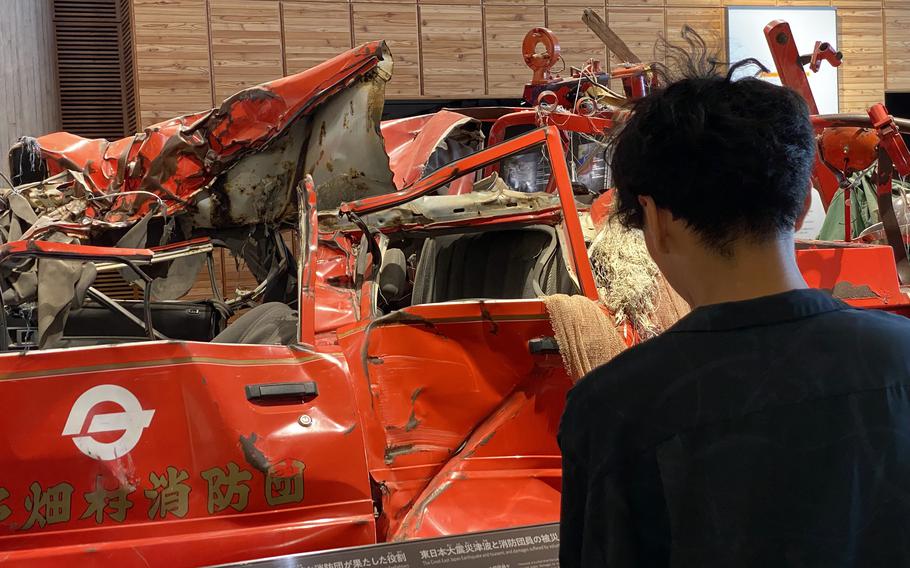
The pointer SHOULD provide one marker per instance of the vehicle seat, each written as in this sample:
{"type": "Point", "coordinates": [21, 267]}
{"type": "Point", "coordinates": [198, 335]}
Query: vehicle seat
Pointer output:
{"type": "Point", "coordinates": [272, 323]}
{"type": "Point", "coordinates": [94, 324]}
{"type": "Point", "coordinates": [503, 264]}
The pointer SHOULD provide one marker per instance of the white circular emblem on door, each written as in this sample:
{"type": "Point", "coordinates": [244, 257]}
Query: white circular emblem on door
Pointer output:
{"type": "Point", "coordinates": [131, 422]}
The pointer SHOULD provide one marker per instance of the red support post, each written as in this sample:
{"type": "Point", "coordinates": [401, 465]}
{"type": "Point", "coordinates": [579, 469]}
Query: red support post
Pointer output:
{"type": "Point", "coordinates": [308, 229]}
{"type": "Point", "coordinates": [574, 233]}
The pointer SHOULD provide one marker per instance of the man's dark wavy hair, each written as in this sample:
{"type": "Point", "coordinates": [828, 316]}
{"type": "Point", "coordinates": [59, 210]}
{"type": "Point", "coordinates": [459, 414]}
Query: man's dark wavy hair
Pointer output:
{"type": "Point", "coordinates": [732, 159]}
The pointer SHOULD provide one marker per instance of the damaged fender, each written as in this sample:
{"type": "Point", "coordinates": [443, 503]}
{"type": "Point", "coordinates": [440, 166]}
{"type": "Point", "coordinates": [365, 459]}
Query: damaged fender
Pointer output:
{"type": "Point", "coordinates": [236, 165]}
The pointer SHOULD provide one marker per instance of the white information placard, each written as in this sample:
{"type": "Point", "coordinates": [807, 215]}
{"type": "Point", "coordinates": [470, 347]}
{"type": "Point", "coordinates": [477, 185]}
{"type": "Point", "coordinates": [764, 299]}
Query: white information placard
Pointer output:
{"type": "Point", "coordinates": [746, 38]}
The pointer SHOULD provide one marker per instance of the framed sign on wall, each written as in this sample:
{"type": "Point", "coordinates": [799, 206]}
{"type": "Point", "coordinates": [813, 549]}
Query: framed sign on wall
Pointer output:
{"type": "Point", "coordinates": [746, 38]}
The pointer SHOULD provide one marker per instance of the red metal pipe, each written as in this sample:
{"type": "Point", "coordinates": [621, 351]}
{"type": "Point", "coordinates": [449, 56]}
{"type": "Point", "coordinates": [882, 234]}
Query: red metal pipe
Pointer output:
{"type": "Point", "coordinates": [570, 214]}
{"type": "Point", "coordinates": [786, 59]}
{"type": "Point", "coordinates": [308, 227]}
{"type": "Point", "coordinates": [446, 174]}
{"type": "Point", "coordinates": [498, 131]}
{"type": "Point", "coordinates": [50, 249]}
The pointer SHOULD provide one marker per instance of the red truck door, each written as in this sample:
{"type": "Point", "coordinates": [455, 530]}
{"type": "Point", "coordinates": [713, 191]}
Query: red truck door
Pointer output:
{"type": "Point", "coordinates": [178, 453]}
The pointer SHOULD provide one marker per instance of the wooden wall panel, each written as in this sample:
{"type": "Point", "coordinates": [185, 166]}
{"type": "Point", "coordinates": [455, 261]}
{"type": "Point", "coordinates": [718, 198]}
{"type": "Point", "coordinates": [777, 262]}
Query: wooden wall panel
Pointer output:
{"type": "Point", "coordinates": [246, 44]}
{"type": "Point", "coordinates": [172, 58]}
{"type": "Point", "coordinates": [708, 22]}
{"type": "Point", "coordinates": [314, 32]}
{"type": "Point", "coordinates": [639, 28]}
{"type": "Point", "coordinates": [193, 53]}
{"type": "Point", "coordinates": [580, 4]}
{"type": "Point", "coordinates": [867, 4]}
{"type": "Point", "coordinates": [897, 48]}
{"type": "Point", "coordinates": [638, 3]}
{"type": "Point", "coordinates": [29, 90]}
{"type": "Point", "coordinates": [451, 38]}
{"type": "Point", "coordinates": [716, 3]}
{"type": "Point", "coordinates": [397, 25]}
{"type": "Point", "coordinates": [862, 76]}
{"type": "Point", "coordinates": [803, 2]}
{"type": "Point", "coordinates": [505, 29]}
{"type": "Point", "coordinates": [577, 42]}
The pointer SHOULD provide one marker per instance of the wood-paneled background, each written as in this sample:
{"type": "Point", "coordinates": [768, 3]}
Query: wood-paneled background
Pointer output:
{"type": "Point", "coordinates": [29, 92]}
{"type": "Point", "coordinates": [193, 53]}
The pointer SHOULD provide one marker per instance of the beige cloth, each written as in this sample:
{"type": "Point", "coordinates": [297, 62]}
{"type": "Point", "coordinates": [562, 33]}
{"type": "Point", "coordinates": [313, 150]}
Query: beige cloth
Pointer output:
{"type": "Point", "coordinates": [584, 333]}
{"type": "Point", "coordinates": [631, 289]}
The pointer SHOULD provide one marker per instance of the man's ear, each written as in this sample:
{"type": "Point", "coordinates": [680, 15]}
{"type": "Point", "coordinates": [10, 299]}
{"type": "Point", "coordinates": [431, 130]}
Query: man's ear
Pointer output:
{"type": "Point", "coordinates": [807, 203]}
{"type": "Point", "coordinates": [655, 223]}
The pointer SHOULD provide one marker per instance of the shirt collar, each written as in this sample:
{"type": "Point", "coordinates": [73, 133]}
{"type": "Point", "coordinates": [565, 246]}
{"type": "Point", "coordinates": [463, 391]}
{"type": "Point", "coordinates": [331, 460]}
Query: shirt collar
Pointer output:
{"type": "Point", "coordinates": [767, 310]}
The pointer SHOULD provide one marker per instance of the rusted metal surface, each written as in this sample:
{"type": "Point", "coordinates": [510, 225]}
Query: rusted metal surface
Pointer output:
{"type": "Point", "coordinates": [253, 140]}
{"type": "Point", "coordinates": [308, 229]}
{"type": "Point", "coordinates": [540, 61]}
{"type": "Point", "coordinates": [432, 210]}
{"type": "Point", "coordinates": [848, 149]}
{"type": "Point", "coordinates": [431, 140]}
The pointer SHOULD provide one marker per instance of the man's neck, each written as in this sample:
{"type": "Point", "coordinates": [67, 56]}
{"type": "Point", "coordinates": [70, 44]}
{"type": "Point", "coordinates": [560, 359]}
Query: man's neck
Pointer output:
{"type": "Point", "coordinates": [755, 270]}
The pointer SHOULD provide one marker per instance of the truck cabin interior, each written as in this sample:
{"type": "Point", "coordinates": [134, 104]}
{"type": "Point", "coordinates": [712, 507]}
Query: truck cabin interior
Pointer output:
{"type": "Point", "coordinates": [497, 241]}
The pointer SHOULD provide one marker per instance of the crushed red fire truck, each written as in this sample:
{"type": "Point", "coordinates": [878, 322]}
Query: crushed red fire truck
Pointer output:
{"type": "Point", "coordinates": [395, 377]}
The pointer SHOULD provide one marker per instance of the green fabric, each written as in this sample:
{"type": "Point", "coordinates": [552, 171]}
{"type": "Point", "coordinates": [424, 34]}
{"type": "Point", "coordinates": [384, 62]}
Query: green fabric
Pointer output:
{"type": "Point", "coordinates": [863, 207]}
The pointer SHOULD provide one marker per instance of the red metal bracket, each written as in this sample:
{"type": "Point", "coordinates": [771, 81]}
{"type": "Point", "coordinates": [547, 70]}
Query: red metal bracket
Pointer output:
{"type": "Point", "coordinates": [540, 63]}
{"type": "Point", "coordinates": [788, 61]}
{"type": "Point", "coordinates": [892, 155]}
{"type": "Point", "coordinates": [823, 51]}
{"type": "Point", "coordinates": [633, 80]}
{"type": "Point", "coordinates": [890, 137]}
{"type": "Point", "coordinates": [789, 65]}
{"type": "Point", "coordinates": [883, 185]}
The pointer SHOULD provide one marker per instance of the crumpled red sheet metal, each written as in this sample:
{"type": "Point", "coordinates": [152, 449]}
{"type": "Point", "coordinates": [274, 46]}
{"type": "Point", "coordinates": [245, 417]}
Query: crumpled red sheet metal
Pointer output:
{"type": "Point", "coordinates": [175, 159]}
{"type": "Point", "coordinates": [410, 143]}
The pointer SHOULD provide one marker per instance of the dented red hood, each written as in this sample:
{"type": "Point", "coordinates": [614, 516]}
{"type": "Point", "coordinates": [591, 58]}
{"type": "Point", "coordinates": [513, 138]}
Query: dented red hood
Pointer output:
{"type": "Point", "coordinates": [174, 160]}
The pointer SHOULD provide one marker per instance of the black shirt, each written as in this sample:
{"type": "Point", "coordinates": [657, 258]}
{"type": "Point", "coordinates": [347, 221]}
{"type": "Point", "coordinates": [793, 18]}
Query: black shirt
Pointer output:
{"type": "Point", "coordinates": [769, 432]}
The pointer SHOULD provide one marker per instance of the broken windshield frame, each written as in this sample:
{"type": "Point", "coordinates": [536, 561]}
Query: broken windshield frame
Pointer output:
{"type": "Point", "coordinates": [560, 178]}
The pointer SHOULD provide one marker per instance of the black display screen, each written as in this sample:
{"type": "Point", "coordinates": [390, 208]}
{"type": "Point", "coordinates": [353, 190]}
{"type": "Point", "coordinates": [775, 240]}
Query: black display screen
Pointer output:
{"type": "Point", "coordinates": [898, 103]}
